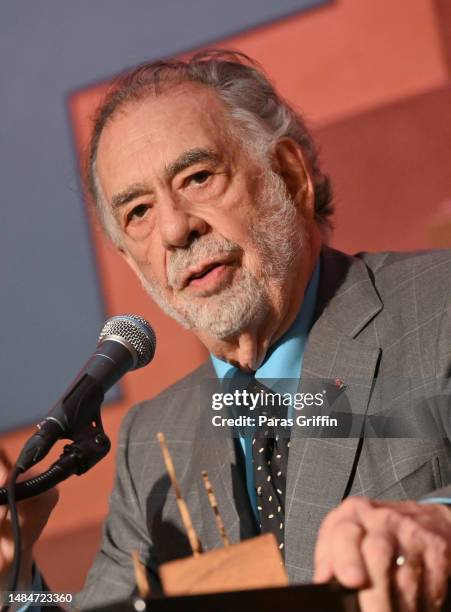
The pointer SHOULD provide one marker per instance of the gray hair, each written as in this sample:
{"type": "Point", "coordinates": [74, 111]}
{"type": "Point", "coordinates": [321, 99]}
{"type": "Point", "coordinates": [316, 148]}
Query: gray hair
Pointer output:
{"type": "Point", "coordinates": [260, 115]}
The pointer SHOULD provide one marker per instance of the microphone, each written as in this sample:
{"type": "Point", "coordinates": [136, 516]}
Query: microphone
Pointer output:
{"type": "Point", "coordinates": [126, 342]}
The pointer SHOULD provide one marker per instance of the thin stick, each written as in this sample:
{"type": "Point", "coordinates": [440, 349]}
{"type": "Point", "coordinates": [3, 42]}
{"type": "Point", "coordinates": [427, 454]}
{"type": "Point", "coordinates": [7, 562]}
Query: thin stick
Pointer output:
{"type": "Point", "coordinates": [140, 576]}
{"type": "Point", "coordinates": [214, 507]}
{"type": "Point", "coordinates": [193, 538]}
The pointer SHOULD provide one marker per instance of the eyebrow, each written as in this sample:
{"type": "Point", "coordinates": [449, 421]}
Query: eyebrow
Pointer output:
{"type": "Point", "coordinates": [184, 161]}
{"type": "Point", "coordinates": [190, 158]}
{"type": "Point", "coordinates": [124, 197]}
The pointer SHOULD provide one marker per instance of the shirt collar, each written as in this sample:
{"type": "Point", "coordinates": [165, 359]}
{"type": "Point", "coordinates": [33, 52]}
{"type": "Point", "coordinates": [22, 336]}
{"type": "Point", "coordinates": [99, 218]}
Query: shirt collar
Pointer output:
{"type": "Point", "coordinates": [284, 359]}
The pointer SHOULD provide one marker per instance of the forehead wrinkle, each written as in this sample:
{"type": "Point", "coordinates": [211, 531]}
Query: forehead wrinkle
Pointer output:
{"type": "Point", "coordinates": [185, 160]}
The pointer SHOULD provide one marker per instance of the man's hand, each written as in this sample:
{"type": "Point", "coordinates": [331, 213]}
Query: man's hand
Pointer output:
{"type": "Point", "coordinates": [33, 516]}
{"type": "Point", "coordinates": [359, 542]}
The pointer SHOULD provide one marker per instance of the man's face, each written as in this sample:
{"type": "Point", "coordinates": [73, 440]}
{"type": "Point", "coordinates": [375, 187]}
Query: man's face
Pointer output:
{"type": "Point", "coordinates": [209, 230]}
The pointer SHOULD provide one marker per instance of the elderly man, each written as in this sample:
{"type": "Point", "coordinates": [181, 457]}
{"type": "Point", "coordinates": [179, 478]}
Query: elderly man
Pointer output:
{"type": "Point", "coordinates": [209, 185]}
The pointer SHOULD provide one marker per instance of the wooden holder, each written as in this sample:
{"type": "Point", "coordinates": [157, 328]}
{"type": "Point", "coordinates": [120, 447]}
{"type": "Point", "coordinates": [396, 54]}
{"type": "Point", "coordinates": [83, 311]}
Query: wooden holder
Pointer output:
{"type": "Point", "coordinates": [250, 564]}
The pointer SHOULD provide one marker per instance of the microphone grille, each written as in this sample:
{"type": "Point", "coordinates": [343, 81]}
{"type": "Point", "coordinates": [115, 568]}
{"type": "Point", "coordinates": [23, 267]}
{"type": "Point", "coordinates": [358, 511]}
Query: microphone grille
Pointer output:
{"type": "Point", "coordinates": [136, 331]}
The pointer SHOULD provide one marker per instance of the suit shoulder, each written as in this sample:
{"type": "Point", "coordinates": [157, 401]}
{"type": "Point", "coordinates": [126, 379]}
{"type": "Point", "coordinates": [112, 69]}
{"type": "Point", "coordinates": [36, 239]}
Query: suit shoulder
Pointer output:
{"type": "Point", "coordinates": [186, 383]}
{"type": "Point", "coordinates": [176, 408]}
{"type": "Point", "coordinates": [426, 270]}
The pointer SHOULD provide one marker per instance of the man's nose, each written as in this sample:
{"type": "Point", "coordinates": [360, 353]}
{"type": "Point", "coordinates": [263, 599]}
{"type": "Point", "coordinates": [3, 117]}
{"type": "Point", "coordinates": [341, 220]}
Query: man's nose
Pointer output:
{"type": "Point", "coordinates": [177, 224]}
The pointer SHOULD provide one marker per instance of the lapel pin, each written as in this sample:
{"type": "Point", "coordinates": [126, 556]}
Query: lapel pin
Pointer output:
{"type": "Point", "coordinates": [339, 383]}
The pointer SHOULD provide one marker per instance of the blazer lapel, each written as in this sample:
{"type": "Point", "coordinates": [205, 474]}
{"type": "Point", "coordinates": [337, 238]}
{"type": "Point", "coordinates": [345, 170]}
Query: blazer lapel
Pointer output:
{"type": "Point", "coordinates": [319, 469]}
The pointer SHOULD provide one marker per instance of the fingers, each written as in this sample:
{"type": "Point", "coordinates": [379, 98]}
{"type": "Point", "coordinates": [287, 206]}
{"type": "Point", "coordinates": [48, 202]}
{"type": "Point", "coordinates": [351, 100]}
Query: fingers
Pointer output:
{"type": "Point", "coordinates": [337, 551]}
{"type": "Point", "coordinates": [407, 582]}
{"type": "Point", "coordinates": [377, 551]}
{"type": "Point", "coordinates": [437, 571]}
{"type": "Point", "coordinates": [427, 564]}
{"type": "Point", "coordinates": [345, 562]}
{"type": "Point", "coordinates": [360, 540]}
{"type": "Point", "coordinates": [386, 526]}
{"type": "Point", "coordinates": [424, 574]}
{"type": "Point", "coordinates": [348, 561]}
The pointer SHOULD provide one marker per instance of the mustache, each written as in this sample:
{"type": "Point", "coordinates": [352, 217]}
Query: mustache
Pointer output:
{"type": "Point", "coordinates": [200, 249]}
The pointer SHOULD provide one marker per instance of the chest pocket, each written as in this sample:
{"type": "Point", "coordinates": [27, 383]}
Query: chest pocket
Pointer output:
{"type": "Point", "coordinates": [398, 469]}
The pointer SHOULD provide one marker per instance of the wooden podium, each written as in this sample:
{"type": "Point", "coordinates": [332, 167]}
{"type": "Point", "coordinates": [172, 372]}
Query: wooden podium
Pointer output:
{"type": "Point", "coordinates": [297, 598]}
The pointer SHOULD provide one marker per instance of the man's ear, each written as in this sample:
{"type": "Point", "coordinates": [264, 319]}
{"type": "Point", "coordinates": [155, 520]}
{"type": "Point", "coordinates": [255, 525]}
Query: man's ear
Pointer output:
{"type": "Point", "coordinates": [291, 164]}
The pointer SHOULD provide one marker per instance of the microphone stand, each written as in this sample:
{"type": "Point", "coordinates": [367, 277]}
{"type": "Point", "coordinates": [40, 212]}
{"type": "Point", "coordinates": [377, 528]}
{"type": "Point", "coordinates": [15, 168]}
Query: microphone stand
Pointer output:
{"type": "Point", "coordinates": [81, 423]}
{"type": "Point", "coordinates": [90, 443]}
{"type": "Point", "coordinates": [75, 459]}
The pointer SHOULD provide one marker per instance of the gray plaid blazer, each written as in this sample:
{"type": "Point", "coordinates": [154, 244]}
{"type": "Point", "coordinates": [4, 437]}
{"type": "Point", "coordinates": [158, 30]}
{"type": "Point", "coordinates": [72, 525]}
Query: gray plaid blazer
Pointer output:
{"type": "Point", "coordinates": [379, 317]}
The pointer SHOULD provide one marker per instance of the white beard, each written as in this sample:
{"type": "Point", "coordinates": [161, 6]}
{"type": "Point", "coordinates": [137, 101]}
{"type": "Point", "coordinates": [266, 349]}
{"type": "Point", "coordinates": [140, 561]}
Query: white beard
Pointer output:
{"type": "Point", "coordinates": [245, 301]}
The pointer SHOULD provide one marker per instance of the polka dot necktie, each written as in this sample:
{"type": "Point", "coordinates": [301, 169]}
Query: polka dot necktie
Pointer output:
{"type": "Point", "coordinates": [270, 447]}
{"type": "Point", "coordinates": [270, 460]}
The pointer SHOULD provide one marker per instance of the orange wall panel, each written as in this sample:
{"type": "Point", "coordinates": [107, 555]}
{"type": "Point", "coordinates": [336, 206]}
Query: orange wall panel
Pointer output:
{"type": "Point", "coordinates": [392, 176]}
{"type": "Point", "coordinates": [350, 56]}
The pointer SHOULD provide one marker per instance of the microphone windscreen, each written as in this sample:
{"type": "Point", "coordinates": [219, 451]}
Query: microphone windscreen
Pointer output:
{"type": "Point", "coordinates": [136, 331]}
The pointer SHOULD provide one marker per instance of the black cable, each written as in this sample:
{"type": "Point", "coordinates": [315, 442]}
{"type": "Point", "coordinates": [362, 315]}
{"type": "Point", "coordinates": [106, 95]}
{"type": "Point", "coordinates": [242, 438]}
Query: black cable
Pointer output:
{"type": "Point", "coordinates": [15, 570]}
{"type": "Point", "coordinates": [36, 485]}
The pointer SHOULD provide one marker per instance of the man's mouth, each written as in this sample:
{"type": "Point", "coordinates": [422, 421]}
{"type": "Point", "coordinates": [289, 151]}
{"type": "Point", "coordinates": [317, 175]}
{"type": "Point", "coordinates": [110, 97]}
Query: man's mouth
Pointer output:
{"type": "Point", "coordinates": [208, 274]}
{"type": "Point", "coordinates": [203, 273]}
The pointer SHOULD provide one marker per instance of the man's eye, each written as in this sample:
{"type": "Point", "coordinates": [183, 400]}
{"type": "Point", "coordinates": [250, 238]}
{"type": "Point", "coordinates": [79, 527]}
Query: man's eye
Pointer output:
{"type": "Point", "coordinates": [137, 212]}
{"type": "Point", "coordinates": [199, 177]}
